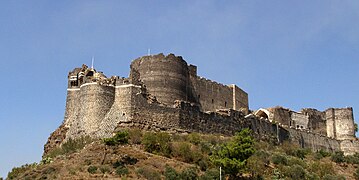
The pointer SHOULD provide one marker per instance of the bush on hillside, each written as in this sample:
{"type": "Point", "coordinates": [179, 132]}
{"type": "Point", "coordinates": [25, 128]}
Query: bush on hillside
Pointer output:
{"type": "Point", "coordinates": [338, 157]}
{"type": "Point", "coordinates": [70, 146]}
{"type": "Point", "coordinates": [321, 168]}
{"type": "Point", "coordinates": [120, 137]}
{"type": "Point", "coordinates": [211, 174]}
{"type": "Point", "coordinates": [135, 136]}
{"type": "Point", "coordinates": [158, 143]}
{"type": "Point", "coordinates": [295, 172]}
{"type": "Point", "coordinates": [190, 173]}
{"type": "Point", "coordinates": [280, 159]}
{"type": "Point", "coordinates": [356, 174]}
{"type": "Point", "coordinates": [92, 169]}
{"type": "Point", "coordinates": [148, 173]}
{"type": "Point", "coordinates": [16, 171]}
{"type": "Point", "coordinates": [170, 173]}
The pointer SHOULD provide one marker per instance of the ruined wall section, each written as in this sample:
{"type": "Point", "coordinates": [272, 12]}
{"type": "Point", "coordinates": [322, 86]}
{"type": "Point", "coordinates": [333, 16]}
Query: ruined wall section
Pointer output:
{"type": "Point", "coordinates": [300, 120]}
{"type": "Point", "coordinates": [317, 121]}
{"type": "Point", "coordinates": [340, 123]}
{"type": "Point", "coordinates": [165, 77]}
{"type": "Point", "coordinates": [281, 115]}
{"type": "Point", "coordinates": [240, 99]}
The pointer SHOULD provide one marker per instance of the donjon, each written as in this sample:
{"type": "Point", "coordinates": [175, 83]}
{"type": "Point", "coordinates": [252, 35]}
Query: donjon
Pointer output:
{"type": "Point", "coordinates": [164, 93]}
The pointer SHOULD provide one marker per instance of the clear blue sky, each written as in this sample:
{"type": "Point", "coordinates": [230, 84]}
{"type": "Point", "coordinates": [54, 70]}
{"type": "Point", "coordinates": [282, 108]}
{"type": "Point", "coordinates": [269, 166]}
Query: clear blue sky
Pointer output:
{"type": "Point", "coordinates": [291, 53]}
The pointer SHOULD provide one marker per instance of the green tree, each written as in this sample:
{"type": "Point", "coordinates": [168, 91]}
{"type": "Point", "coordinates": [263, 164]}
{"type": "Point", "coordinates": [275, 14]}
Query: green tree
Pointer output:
{"type": "Point", "coordinates": [232, 156]}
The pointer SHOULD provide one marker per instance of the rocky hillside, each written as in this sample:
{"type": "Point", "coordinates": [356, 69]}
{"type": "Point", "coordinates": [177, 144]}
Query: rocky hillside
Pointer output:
{"type": "Point", "coordinates": [147, 155]}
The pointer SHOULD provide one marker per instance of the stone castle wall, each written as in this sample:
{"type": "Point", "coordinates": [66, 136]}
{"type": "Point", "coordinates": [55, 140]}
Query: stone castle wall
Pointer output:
{"type": "Point", "coordinates": [164, 93]}
{"type": "Point", "coordinates": [170, 78]}
{"type": "Point", "coordinates": [340, 123]}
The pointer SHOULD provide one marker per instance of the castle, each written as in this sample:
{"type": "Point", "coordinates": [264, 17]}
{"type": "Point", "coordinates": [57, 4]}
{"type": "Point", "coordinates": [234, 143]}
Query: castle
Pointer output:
{"type": "Point", "coordinates": [165, 93]}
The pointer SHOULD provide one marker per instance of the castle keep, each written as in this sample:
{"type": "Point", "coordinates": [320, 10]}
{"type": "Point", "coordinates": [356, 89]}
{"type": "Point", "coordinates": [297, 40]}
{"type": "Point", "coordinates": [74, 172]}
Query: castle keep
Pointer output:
{"type": "Point", "coordinates": [165, 93]}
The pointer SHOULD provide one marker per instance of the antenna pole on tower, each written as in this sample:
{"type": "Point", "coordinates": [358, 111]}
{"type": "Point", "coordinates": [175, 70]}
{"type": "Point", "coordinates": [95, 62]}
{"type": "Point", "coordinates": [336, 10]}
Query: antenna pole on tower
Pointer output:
{"type": "Point", "coordinates": [93, 59]}
{"type": "Point", "coordinates": [149, 52]}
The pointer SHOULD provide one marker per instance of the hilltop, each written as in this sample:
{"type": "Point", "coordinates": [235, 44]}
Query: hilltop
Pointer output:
{"type": "Point", "coordinates": [164, 156]}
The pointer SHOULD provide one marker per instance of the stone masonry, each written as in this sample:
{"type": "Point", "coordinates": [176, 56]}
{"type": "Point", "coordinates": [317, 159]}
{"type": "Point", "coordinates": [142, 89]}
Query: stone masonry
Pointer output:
{"type": "Point", "coordinates": [164, 93]}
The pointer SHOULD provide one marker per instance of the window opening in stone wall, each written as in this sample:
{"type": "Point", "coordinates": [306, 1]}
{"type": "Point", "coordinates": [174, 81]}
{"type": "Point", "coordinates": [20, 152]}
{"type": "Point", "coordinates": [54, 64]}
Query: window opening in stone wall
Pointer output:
{"type": "Point", "coordinates": [199, 96]}
{"type": "Point", "coordinates": [90, 73]}
{"type": "Point", "coordinates": [212, 101]}
{"type": "Point", "coordinates": [74, 83]}
{"type": "Point", "coordinates": [301, 127]}
{"type": "Point", "coordinates": [290, 123]}
{"type": "Point", "coordinates": [225, 104]}
{"type": "Point", "coordinates": [297, 126]}
{"type": "Point", "coordinates": [123, 114]}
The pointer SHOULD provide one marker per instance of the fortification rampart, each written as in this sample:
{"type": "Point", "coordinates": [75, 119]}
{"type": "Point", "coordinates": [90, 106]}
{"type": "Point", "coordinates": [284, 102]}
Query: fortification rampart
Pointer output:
{"type": "Point", "coordinates": [164, 93]}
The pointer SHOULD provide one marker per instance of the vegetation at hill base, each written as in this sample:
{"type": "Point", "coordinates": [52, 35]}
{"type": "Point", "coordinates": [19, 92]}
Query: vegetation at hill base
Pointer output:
{"type": "Point", "coordinates": [136, 154]}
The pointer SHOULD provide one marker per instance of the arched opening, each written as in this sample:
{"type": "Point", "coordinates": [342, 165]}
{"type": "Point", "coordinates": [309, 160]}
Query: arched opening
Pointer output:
{"type": "Point", "coordinates": [262, 113]}
{"type": "Point", "coordinates": [90, 73]}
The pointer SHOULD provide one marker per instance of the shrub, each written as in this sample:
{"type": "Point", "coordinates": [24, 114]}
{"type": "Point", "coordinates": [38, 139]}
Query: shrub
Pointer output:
{"type": "Point", "coordinates": [129, 160]}
{"type": "Point", "coordinates": [352, 159]}
{"type": "Point", "coordinates": [92, 169]}
{"type": "Point", "coordinates": [277, 174]}
{"type": "Point", "coordinates": [338, 157]}
{"type": "Point", "coordinates": [289, 148]}
{"type": "Point", "coordinates": [205, 147]}
{"type": "Point", "coordinates": [189, 174]}
{"type": "Point", "coordinates": [321, 154]}
{"type": "Point", "coordinates": [301, 153]}
{"type": "Point", "coordinates": [321, 168]}
{"type": "Point", "coordinates": [120, 137]}
{"type": "Point", "coordinates": [333, 177]}
{"type": "Point", "coordinates": [203, 163]}
{"type": "Point", "coordinates": [159, 143]}
{"type": "Point", "coordinates": [187, 152]}
{"type": "Point", "coordinates": [295, 172]}
{"type": "Point", "coordinates": [148, 173]}
{"type": "Point", "coordinates": [312, 176]}
{"type": "Point", "coordinates": [70, 146]}
{"type": "Point", "coordinates": [121, 170]}
{"type": "Point", "coordinates": [296, 161]}
{"type": "Point", "coordinates": [170, 173]}
{"type": "Point", "coordinates": [256, 164]}
{"type": "Point", "coordinates": [211, 174]}
{"type": "Point", "coordinates": [356, 174]}
{"type": "Point", "coordinates": [48, 170]}
{"type": "Point", "coordinates": [104, 169]}
{"type": "Point", "coordinates": [194, 138]}
{"type": "Point", "coordinates": [16, 171]}
{"type": "Point", "coordinates": [279, 159]}
{"type": "Point", "coordinates": [135, 136]}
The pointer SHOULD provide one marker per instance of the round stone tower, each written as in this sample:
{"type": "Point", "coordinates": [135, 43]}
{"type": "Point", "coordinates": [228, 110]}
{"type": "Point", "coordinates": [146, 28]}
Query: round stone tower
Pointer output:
{"type": "Point", "coordinates": [95, 101]}
{"type": "Point", "coordinates": [165, 77]}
